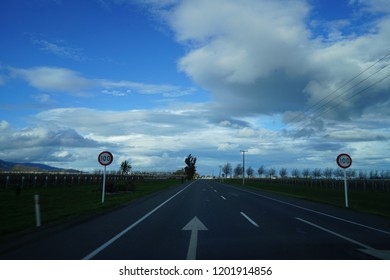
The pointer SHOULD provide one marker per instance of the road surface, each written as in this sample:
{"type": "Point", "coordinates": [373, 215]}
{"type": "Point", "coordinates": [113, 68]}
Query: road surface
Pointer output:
{"type": "Point", "coordinates": [209, 220]}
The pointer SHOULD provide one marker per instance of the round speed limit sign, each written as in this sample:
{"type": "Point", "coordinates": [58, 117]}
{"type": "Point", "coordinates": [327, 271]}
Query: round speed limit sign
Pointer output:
{"type": "Point", "coordinates": [105, 158]}
{"type": "Point", "coordinates": [344, 160]}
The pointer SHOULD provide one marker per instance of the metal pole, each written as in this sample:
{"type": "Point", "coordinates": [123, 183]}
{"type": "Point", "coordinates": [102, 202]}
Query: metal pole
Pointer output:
{"type": "Point", "coordinates": [104, 184]}
{"type": "Point", "coordinates": [345, 188]}
{"type": "Point", "coordinates": [243, 166]}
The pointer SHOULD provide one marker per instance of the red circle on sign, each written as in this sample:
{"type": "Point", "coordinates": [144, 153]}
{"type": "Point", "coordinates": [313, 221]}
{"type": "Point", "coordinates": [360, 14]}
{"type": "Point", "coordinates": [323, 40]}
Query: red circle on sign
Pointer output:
{"type": "Point", "coordinates": [344, 160]}
{"type": "Point", "coordinates": [105, 158]}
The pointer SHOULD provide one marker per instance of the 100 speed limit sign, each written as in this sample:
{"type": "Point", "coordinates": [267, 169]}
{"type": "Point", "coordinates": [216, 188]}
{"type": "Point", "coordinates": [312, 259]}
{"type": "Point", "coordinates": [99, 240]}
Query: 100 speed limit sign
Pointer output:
{"type": "Point", "coordinates": [105, 158]}
{"type": "Point", "coordinates": [344, 160]}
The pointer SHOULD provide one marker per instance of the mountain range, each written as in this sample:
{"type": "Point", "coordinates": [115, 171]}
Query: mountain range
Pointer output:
{"type": "Point", "coordinates": [31, 167]}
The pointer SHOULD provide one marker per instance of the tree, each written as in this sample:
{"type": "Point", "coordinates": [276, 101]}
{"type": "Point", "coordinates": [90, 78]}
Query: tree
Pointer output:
{"type": "Point", "coordinates": [125, 167]}
{"type": "Point", "coordinates": [227, 169]}
{"type": "Point", "coordinates": [351, 173]}
{"type": "Point", "coordinates": [374, 174]}
{"type": "Point", "coordinates": [238, 170]}
{"type": "Point", "coordinates": [306, 172]}
{"type": "Point", "coordinates": [190, 169]}
{"type": "Point", "coordinates": [362, 175]}
{"type": "Point", "coordinates": [249, 171]}
{"type": "Point", "coordinates": [317, 173]}
{"type": "Point", "coordinates": [338, 173]}
{"type": "Point", "coordinates": [283, 172]}
{"type": "Point", "coordinates": [271, 172]}
{"type": "Point", "coordinates": [328, 173]}
{"type": "Point", "coordinates": [261, 170]}
{"type": "Point", "coordinates": [295, 173]}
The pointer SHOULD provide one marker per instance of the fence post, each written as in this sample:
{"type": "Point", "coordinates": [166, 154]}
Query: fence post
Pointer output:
{"type": "Point", "coordinates": [37, 210]}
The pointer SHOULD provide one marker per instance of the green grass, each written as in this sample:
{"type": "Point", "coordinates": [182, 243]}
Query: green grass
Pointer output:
{"type": "Point", "coordinates": [64, 203]}
{"type": "Point", "coordinates": [377, 203]}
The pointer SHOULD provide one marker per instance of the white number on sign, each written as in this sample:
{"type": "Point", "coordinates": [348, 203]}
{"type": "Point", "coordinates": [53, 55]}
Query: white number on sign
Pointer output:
{"type": "Point", "coordinates": [344, 160]}
{"type": "Point", "coordinates": [105, 158]}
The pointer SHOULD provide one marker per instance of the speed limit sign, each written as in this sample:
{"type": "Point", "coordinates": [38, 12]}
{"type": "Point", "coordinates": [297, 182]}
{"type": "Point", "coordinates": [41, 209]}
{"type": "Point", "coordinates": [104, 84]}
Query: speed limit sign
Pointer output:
{"type": "Point", "coordinates": [105, 158]}
{"type": "Point", "coordinates": [344, 160]}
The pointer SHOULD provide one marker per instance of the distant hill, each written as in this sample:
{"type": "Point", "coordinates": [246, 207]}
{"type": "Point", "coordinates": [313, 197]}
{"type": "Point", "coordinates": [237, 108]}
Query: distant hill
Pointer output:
{"type": "Point", "coordinates": [32, 167]}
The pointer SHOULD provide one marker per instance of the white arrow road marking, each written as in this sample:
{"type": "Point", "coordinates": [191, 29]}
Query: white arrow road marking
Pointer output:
{"type": "Point", "coordinates": [194, 226]}
{"type": "Point", "coordinates": [119, 235]}
{"type": "Point", "coordinates": [380, 254]}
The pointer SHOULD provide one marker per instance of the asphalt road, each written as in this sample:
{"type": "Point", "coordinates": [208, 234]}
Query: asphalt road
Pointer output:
{"type": "Point", "coordinates": [210, 220]}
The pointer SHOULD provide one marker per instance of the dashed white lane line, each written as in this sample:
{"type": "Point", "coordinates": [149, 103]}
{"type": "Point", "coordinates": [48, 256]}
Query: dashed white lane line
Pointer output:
{"type": "Point", "coordinates": [311, 210]}
{"type": "Point", "coordinates": [224, 198]}
{"type": "Point", "coordinates": [249, 219]}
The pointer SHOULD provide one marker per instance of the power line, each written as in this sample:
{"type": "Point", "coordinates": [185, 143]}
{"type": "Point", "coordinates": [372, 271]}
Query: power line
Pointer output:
{"type": "Point", "coordinates": [321, 106]}
{"type": "Point", "coordinates": [339, 88]}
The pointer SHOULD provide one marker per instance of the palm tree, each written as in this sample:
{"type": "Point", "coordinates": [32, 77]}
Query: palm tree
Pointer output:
{"type": "Point", "coordinates": [125, 167]}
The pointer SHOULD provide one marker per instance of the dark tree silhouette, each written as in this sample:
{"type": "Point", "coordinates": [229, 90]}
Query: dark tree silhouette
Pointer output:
{"type": "Point", "coordinates": [190, 169]}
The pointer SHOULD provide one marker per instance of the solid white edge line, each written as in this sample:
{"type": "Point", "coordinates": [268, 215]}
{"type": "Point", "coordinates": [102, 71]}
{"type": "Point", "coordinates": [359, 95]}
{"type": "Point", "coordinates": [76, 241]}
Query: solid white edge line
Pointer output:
{"type": "Point", "coordinates": [119, 235]}
{"type": "Point", "coordinates": [380, 254]}
{"type": "Point", "coordinates": [249, 219]}
{"type": "Point", "coordinates": [335, 233]}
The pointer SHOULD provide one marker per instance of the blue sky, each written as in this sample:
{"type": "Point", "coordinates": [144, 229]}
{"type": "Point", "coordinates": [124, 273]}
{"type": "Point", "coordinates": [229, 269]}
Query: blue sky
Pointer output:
{"type": "Point", "coordinates": [293, 82]}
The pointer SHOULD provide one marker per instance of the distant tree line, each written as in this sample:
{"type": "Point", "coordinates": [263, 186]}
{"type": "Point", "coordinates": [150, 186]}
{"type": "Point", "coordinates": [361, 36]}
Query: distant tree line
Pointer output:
{"type": "Point", "coordinates": [317, 173]}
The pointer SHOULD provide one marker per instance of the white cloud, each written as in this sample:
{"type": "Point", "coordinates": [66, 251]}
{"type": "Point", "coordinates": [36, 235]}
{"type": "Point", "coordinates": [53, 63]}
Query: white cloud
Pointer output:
{"type": "Point", "coordinates": [373, 6]}
{"type": "Point", "coordinates": [156, 139]}
{"type": "Point", "coordinates": [43, 98]}
{"type": "Point", "coordinates": [41, 144]}
{"type": "Point", "coordinates": [233, 41]}
{"type": "Point", "coordinates": [262, 57]}
{"type": "Point", "coordinates": [4, 125]}
{"type": "Point", "coordinates": [59, 49]}
{"type": "Point", "coordinates": [163, 89]}
{"type": "Point", "coordinates": [116, 92]}
{"type": "Point", "coordinates": [55, 79]}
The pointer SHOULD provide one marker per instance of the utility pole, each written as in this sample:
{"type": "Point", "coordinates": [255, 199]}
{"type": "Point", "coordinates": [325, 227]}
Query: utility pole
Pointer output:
{"type": "Point", "coordinates": [243, 166]}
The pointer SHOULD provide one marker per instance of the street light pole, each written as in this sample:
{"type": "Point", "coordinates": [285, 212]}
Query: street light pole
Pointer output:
{"type": "Point", "coordinates": [243, 166]}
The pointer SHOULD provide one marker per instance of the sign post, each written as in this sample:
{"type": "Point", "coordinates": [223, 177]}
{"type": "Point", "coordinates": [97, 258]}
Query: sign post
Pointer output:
{"type": "Point", "coordinates": [344, 161]}
{"type": "Point", "coordinates": [105, 158]}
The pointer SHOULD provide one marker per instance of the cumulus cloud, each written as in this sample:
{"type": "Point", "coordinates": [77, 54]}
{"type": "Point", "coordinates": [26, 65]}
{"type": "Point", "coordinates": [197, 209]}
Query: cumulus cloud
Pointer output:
{"type": "Point", "coordinates": [40, 143]}
{"type": "Point", "coordinates": [55, 79]}
{"type": "Point", "coordinates": [264, 57]}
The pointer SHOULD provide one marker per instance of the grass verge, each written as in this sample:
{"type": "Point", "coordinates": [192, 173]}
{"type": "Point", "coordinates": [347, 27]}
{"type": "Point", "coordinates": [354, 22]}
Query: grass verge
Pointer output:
{"type": "Point", "coordinates": [62, 204]}
{"type": "Point", "coordinates": [377, 203]}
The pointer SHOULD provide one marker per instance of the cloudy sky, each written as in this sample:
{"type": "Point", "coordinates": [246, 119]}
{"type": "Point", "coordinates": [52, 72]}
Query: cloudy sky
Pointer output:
{"type": "Point", "coordinates": [293, 82]}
